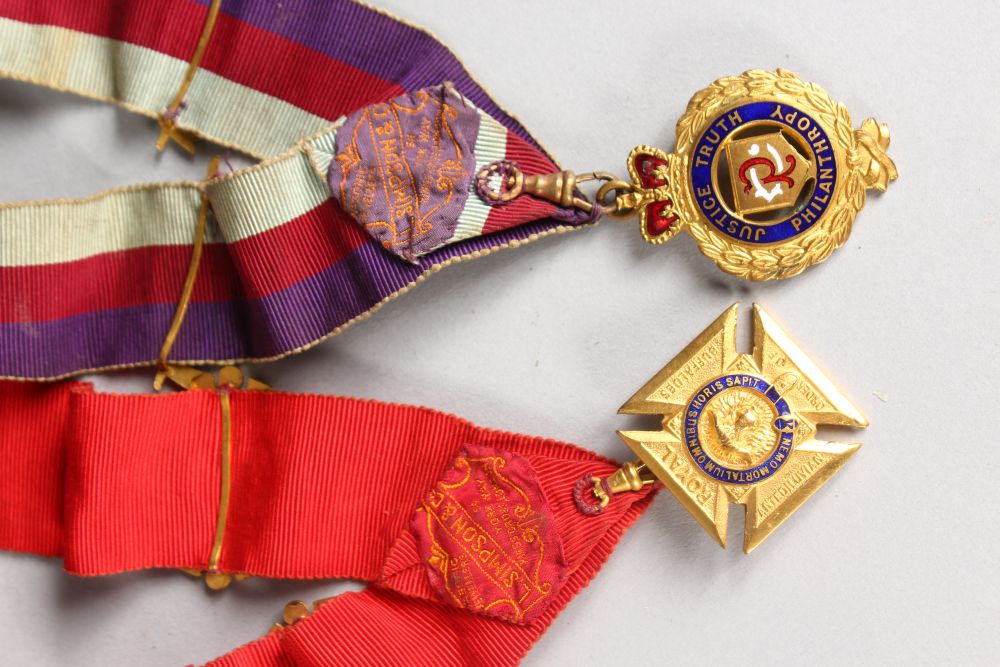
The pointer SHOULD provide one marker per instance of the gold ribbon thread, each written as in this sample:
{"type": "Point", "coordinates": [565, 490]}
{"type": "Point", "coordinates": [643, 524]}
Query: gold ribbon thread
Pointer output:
{"type": "Point", "coordinates": [164, 369]}
{"type": "Point", "coordinates": [168, 119]}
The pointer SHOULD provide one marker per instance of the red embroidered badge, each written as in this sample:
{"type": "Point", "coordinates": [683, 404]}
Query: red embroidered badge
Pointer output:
{"type": "Point", "coordinates": [488, 539]}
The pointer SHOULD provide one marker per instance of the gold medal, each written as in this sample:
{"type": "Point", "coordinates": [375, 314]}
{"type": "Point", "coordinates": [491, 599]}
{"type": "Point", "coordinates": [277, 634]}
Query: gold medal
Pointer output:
{"type": "Point", "coordinates": [767, 175]}
{"type": "Point", "coordinates": [737, 428]}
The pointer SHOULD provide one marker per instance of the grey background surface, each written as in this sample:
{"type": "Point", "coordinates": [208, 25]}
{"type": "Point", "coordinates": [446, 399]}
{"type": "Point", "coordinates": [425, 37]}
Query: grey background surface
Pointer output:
{"type": "Point", "coordinates": [891, 564]}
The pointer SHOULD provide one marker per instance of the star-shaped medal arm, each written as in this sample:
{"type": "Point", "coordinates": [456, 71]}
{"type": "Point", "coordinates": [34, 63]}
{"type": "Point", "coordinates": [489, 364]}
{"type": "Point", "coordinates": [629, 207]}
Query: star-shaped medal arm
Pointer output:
{"type": "Point", "coordinates": [797, 464]}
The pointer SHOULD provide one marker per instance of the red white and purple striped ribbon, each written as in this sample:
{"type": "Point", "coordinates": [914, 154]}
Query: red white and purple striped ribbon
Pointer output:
{"type": "Point", "coordinates": [93, 284]}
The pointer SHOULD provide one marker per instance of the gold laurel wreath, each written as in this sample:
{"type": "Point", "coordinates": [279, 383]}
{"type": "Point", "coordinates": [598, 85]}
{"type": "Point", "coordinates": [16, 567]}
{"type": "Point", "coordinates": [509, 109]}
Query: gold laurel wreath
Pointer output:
{"type": "Point", "coordinates": [855, 167]}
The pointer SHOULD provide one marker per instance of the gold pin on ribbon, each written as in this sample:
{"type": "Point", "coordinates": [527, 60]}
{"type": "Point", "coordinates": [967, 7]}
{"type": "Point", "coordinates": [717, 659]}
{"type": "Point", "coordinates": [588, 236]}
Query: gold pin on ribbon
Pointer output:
{"type": "Point", "coordinates": [736, 428]}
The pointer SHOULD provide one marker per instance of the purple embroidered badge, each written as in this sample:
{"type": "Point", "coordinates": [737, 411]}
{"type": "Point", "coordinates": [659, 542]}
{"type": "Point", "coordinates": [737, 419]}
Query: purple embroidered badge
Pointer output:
{"type": "Point", "coordinates": [404, 168]}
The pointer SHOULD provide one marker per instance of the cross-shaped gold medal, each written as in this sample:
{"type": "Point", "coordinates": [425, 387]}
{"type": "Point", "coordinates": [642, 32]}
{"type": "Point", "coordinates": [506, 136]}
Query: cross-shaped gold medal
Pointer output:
{"type": "Point", "coordinates": [737, 428]}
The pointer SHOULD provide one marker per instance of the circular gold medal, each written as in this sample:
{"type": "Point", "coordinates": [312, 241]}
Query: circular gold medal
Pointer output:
{"type": "Point", "coordinates": [768, 175]}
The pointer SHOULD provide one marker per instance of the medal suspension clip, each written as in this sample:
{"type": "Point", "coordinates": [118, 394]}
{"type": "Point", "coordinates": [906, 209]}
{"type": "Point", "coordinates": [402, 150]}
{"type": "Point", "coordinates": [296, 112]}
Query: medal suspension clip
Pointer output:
{"type": "Point", "coordinates": [503, 181]}
{"type": "Point", "coordinates": [592, 494]}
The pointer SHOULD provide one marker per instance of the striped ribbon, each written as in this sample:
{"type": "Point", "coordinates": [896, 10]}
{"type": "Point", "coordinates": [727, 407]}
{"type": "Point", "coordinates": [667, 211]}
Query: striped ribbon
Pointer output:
{"type": "Point", "coordinates": [92, 284]}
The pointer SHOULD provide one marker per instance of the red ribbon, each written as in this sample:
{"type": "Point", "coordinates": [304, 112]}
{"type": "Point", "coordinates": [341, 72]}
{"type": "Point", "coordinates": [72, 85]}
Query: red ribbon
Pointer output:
{"type": "Point", "coordinates": [322, 487]}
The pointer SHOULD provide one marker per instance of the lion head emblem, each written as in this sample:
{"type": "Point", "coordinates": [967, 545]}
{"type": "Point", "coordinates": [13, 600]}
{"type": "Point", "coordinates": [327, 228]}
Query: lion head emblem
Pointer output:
{"type": "Point", "coordinates": [740, 422]}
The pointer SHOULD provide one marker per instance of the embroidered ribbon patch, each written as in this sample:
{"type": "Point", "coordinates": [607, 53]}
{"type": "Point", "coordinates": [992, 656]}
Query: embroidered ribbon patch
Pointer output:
{"type": "Point", "coordinates": [404, 168]}
{"type": "Point", "coordinates": [488, 539]}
